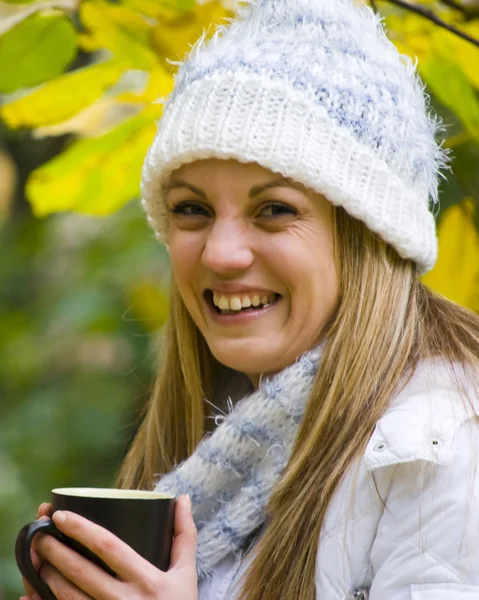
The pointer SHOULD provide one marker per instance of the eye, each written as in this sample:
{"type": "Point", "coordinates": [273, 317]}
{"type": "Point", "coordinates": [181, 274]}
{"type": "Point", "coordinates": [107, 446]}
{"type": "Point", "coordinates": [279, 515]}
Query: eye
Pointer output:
{"type": "Point", "coordinates": [277, 209]}
{"type": "Point", "coordinates": [190, 209]}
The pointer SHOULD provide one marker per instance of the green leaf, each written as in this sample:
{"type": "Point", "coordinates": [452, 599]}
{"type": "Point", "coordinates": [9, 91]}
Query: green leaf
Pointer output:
{"type": "Point", "coordinates": [155, 8]}
{"type": "Point", "coordinates": [96, 175]}
{"type": "Point", "coordinates": [466, 161]}
{"type": "Point", "coordinates": [37, 49]}
{"type": "Point", "coordinates": [464, 54]}
{"type": "Point", "coordinates": [63, 97]}
{"type": "Point", "coordinates": [452, 88]}
{"type": "Point", "coordinates": [450, 193]}
{"type": "Point", "coordinates": [179, 6]}
{"type": "Point", "coordinates": [18, 1]}
{"type": "Point", "coordinates": [467, 172]}
{"type": "Point", "coordinates": [13, 13]}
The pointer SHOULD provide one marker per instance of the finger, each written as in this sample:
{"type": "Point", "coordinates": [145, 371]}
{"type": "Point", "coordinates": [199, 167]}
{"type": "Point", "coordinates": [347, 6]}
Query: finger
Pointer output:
{"type": "Point", "coordinates": [29, 590]}
{"type": "Point", "coordinates": [78, 570]}
{"type": "Point", "coordinates": [60, 586]}
{"type": "Point", "coordinates": [27, 587]}
{"type": "Point", "coordinates": [38, 536]}
{"type": "Point", "coordinates": [183, 551]}
{"type": "Point", "coordinates": [37, 563]}
{"type": "Point", "coordinates": [44, 510]}
{"type": "Point", "coordinates": [120, 557]}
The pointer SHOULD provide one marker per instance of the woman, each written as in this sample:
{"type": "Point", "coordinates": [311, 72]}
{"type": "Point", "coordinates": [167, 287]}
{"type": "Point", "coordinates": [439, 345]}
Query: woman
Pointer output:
{"type": "Point", "coordinates": [315, 400]}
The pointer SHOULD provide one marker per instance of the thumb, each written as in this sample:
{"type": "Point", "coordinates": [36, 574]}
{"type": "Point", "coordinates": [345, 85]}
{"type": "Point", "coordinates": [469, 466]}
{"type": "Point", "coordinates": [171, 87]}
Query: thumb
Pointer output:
{"type": "Point", "coordinates": [183, 551]}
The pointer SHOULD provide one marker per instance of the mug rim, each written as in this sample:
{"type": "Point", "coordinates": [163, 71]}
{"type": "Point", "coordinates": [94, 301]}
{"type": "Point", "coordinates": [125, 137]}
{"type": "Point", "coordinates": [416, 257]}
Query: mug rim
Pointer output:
{"type": "Point", "coordinates": [110, 493]}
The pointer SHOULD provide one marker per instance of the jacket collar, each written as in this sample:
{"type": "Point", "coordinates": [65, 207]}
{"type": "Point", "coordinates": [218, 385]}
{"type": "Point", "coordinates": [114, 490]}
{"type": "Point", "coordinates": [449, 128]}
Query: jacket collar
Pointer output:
{"type": "Point", "coordinates": [422, 420]}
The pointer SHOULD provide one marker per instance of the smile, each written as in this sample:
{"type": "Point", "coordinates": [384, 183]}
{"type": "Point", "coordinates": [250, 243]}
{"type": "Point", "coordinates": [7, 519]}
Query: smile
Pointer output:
{"type": "Point", "coordinates": [240, 303]}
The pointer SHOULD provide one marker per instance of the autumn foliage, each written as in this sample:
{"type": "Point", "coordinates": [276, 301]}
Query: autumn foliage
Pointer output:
{"type": "Point", "coordinates": [129, 49]}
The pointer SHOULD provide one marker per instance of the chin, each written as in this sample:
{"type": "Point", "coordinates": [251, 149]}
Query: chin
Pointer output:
{"type": "Point", "coordinates": [250, 357]}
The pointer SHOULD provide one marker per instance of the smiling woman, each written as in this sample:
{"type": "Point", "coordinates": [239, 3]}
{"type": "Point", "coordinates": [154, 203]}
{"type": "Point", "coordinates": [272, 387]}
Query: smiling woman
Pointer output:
{"type": "Point", "coordinates": [245, 238]}
{"type": "Point", "coordinates": [316, 401]}
{"type": "Point", "coordinates": [294, 179]}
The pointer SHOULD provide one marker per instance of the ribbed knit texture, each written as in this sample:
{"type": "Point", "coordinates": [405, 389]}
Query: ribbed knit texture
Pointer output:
{"type": "Point", "coordinates": [230, 475]}
{"type": "Point", "coordinates": [314, 90]}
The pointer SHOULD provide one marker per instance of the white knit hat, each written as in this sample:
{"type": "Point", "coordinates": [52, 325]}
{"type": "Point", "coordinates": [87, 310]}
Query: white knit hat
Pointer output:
{"type": "Point", "coordinates": [313, 90]}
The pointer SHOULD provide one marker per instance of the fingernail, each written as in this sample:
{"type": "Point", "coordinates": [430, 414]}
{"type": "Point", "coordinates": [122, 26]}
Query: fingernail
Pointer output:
{"type": "Point", "coordinates": [188, 501]}
{"type": "Point", "coordinates": [59, 517]}
{"type": "Point", "coordinates": [36, 597]}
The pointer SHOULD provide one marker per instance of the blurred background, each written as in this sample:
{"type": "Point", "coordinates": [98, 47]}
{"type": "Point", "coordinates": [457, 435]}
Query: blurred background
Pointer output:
{"type": "Point", "coordinates": [83, 282]}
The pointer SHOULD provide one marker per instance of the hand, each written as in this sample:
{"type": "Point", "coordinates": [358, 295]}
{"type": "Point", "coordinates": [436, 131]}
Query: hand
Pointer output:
{"type": "Point", "coordinates": [71, 576]}
{"type": "Point", "coordinates": [44, 511]}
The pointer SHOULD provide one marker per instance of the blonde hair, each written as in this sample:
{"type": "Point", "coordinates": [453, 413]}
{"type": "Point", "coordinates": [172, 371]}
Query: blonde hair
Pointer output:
{"type": "Point", "coordinates": [387, 318]}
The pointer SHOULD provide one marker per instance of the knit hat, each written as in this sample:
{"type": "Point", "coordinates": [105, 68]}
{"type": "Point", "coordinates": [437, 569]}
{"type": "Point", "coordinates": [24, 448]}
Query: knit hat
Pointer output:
{"type": "Point", "coordinates": [313, 90]}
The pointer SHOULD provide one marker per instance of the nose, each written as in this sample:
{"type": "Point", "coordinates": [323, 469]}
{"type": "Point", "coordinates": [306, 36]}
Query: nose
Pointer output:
{"type": "Point", "coordinates": [227, 249]}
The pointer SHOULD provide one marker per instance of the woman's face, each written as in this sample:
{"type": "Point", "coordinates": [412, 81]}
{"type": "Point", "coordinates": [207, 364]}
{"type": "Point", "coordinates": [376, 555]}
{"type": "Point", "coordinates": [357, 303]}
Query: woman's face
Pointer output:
{"type": "Point", "coordinates": [252, 255]}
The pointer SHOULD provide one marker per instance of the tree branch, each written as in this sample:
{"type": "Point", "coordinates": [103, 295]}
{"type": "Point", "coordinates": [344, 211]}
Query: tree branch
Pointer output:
{"type": "Point", "coordinates": [427, 14]}
{"type": "Point", "coordinates": [469, 12]}
{"type": "Point", "coordinates": [454, 4]}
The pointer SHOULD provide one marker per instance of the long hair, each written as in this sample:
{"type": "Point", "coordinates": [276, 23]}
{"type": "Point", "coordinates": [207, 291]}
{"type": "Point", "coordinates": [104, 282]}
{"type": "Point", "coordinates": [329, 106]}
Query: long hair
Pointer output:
{"type": "Point", "coordinates": [387, 320]}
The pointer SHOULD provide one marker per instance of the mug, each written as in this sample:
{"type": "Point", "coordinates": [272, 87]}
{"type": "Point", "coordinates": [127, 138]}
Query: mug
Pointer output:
{"type": "Point", "coordinates": [144, 520]}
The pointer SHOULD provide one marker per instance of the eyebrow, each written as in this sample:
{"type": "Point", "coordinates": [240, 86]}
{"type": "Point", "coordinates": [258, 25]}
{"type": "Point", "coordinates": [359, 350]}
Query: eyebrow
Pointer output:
{"type": "Point", "coordinates": [253, 192]}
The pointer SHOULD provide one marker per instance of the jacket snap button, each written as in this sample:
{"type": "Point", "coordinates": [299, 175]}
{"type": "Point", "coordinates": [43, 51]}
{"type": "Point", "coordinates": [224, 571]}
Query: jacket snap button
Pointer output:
{"type": "Point", "coordinates": [379, 448]}
{"type": "Point", "coordinates": [358, 594]}
{"type": "Point", "coordinates": [436, 442]}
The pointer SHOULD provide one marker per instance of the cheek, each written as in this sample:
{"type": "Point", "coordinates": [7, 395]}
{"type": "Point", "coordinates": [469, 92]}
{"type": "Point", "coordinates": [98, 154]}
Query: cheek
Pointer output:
{"type": "Point", "coordinates": [185, 254]}
{"type": "Point", "coordinates": [309, 270]}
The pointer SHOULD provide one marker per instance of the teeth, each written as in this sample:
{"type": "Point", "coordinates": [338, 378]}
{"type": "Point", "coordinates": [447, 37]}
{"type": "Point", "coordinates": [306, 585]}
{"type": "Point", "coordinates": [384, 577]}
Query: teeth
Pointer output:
{"type": "Point", "coordinates": [235, 303]}
{"type": "Point", "coordinates": [223, 303]}
{"type": "Point", "coordinates": [246, 302]}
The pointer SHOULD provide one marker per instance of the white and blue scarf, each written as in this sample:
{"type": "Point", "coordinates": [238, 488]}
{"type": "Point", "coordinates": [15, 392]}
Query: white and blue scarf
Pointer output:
{"type": "Point", "coordinates": [233, 470]}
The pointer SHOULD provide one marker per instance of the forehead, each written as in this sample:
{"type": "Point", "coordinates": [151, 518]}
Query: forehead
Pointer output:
{"type": "Point", "coordinates": [233, 174]}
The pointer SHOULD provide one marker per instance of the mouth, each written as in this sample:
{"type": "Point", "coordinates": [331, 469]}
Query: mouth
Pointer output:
{"type": "Point", "coordinates": [241, 303]}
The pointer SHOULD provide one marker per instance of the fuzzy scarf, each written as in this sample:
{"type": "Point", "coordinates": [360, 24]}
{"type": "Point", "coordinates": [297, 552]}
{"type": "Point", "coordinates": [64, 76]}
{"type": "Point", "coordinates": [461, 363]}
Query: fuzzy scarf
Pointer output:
{"type": "Point", "coordinates": [233, 470]}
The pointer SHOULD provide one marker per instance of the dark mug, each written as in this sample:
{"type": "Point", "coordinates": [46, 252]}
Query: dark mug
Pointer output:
{"type": "Point", "coordinates": [144, 520]}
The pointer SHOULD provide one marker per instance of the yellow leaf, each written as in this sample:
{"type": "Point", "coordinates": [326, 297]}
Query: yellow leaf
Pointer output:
{"type": "Point", "coordinates": [121, 30]}
{"type": "Point", "coordinates": [456, 274]}
{"type": "Point", "coordinates": [151, 8]}
{"type": "Point", "coordinates": [175, 34]}
{"type": "Point", "coordinates": [160, 83]}
{"type": "Point", "coordinates": [95, 175]}
{"type": "Point", "coordinates": [94, 120]}
{"type": "Point", "coordinates": [463, 53]}
{"type": "Point", "coordinates": [60, 98]}
{"type": "Point", "coordinates": [88, 43]}
{"type": "Point", "coordinates": [411, 35]}
{"type": "Point", "coordinates": [148, 303]}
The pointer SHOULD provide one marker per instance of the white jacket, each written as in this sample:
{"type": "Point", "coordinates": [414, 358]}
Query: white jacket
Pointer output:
{"type": "Point", "coordinates": [422, 542]}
